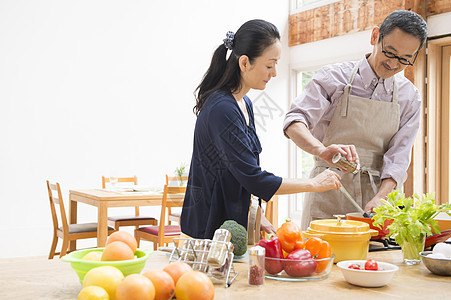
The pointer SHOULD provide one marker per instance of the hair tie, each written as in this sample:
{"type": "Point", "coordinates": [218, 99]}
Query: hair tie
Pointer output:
{"type": "Point", "coordinates": [228, 41]}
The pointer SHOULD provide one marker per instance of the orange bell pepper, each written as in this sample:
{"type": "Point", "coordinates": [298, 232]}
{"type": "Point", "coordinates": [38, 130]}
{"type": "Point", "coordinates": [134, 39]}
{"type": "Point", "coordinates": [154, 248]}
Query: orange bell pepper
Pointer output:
{"type": "Point", "coordinates": [290, 236]}
{"type": "Point", "coordinates": [324, 252]}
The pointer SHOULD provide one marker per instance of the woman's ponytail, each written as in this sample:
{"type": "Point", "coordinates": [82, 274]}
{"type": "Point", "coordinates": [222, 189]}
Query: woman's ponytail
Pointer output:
{"type": "Point", "coordinates": [211, 78]}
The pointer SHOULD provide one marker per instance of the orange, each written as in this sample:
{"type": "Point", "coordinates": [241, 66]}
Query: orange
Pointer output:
{"type": "Point", "coordinates": [135, 287]}
{"type": "Point", "coordinates": [93, 256]}
{"type": "Point", "coordinates": [194, 285]}
{"type": "Point", "coordinates": [163, 282]}
{"type": "Point", "coordinates": [177, 269]}
{"type": "Point", "coordinates": [125, 237]}
{"type": "Point", "coordinates": [107, 277]}
{"type": "Point", "coordinates": [117, 251]}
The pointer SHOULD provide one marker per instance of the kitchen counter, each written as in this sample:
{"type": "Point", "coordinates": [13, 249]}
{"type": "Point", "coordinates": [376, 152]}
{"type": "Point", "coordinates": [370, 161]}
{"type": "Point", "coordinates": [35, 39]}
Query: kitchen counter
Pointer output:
{"type": "Point", "coordinates": [40, 278]}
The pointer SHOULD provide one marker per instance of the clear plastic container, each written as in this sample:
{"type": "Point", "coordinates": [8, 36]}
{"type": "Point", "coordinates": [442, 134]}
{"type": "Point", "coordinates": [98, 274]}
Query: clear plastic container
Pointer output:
{"type": "Point", "coordinates": [256, 266]}
{"type": "Point", "coordinates": [219, 248]}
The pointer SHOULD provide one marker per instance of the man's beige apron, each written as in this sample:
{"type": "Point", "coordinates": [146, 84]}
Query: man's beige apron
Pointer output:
{"type": "Point", "coordinates": [367, 124]}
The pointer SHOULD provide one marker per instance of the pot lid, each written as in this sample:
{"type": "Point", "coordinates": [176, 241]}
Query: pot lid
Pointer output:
{"type": "Point", "coordinates": [339, 226]}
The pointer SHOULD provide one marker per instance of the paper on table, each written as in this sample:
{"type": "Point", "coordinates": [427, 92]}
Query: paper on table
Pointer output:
{"type": "Point", "coordinates": [136, 190]}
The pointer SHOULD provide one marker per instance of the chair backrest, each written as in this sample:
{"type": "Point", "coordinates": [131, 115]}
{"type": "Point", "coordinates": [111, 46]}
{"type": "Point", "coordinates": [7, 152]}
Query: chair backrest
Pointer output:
{"type": "Point", "coordinates": [167, 203]}
{"type": "Point", "coordinates": [56, 198]}
{"type": "Point", "coordinates": [106, 180]}
{"type": "Point", "coordinates": [173, 181]}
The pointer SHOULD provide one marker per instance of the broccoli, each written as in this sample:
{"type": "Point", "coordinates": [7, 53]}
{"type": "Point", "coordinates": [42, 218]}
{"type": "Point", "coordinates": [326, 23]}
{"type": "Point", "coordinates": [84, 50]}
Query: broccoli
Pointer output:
{"type": "Point", "coordinates": [239, 236]}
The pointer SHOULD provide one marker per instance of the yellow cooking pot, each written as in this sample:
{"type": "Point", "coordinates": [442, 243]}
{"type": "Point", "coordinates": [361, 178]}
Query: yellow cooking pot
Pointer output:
{"type": "Point", "coordinates": [349, 240]}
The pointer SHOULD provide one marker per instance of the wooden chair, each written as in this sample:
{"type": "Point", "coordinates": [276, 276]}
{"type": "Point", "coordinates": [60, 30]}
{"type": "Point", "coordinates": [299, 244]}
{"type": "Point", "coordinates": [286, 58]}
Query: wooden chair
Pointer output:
{"type": "Point", "coordinates": [67, 232]}
{"type": "Point", "coordinates": [162, 233]}
{"type": "Point", "coordinates": [128, 220]}
{"type": "Point", "coordinates": [270, 212]}
{"type": "Point", "coordinates": [174, 216]}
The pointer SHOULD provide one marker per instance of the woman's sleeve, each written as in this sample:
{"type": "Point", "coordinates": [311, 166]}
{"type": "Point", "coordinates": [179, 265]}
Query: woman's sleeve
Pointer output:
{"type": "Point", "coordinates": [235, 149]}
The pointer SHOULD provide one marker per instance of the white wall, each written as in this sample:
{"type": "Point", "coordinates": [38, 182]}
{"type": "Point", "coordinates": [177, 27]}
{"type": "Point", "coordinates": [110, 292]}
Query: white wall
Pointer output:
{"type": "Point", "coordinates": [90, 88]}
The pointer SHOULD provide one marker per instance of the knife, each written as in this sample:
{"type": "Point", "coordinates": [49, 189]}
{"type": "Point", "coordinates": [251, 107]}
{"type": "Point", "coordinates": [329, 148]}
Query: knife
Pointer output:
{"type": "Point", "coordinates": [344, 191]}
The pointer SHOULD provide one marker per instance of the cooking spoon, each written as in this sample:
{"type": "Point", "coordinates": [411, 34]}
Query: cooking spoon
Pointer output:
{"type": "Point", "coordinates": [345, 192]}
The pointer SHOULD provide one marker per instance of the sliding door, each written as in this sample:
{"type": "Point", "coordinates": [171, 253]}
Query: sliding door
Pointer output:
{"type": "Point", "coordinates": [438, 162]}
{"type": "Point", "coordinates": [445, 180]}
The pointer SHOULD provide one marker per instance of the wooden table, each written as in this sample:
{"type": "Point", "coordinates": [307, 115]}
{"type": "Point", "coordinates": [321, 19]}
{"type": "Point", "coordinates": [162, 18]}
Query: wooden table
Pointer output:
{"type": "Point", "coordinates": [103, 199]}
{"type": "Point", "coordinates": [40, 278]}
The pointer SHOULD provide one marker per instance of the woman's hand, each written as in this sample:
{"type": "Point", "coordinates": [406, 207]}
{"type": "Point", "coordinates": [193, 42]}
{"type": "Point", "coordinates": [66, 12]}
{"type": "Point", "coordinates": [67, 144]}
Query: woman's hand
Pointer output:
{"type": "Point", "coordinates": [266, 226]}
{"type": "Point", "coordinates": [325, 181]}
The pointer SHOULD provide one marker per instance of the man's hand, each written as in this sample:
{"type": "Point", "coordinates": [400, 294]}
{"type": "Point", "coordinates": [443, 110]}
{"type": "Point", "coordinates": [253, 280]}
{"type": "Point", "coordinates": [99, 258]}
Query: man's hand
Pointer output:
{"type": "Point", "coordinates": [325, 181]}
{"type": "Point", "coordinates": [347, 151]}
{"type": "Point", "coordinates": [375, 202]}
{"type": "Point", "coordinates": [387, 185]}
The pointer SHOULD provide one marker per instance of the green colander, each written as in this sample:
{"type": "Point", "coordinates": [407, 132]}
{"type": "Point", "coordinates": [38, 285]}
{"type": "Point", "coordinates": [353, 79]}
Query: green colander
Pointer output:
{"type": "Point", "coordinates": [127, 267]}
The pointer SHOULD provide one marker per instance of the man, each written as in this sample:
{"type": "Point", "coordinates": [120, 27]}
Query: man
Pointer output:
{"type": "Point", "coordinates": [366, 113]}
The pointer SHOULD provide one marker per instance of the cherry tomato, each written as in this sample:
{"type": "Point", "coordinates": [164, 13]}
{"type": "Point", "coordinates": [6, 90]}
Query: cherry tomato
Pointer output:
{"type": "Point", "coordinates": [354, 266]}
{"type": "Point", "coordinates": [313, 245]}
{"type": "Point", "coordinates": [324, 252]}
{"type": "Point", "coordinates": [371, 265]}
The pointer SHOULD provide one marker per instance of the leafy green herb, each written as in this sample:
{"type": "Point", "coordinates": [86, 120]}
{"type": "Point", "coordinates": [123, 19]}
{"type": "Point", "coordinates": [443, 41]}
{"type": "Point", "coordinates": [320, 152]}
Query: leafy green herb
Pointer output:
{"type": "Point", "coordinates": [180, 171]}
{"type": "Point", "coordinates": [413, 218]}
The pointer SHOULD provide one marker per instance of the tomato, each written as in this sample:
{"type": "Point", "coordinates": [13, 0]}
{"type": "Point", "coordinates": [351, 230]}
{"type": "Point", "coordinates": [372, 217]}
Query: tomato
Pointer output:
{"type": "Point", "coordinates": [313, 245]}
{"type": "Point", "coordinates": [324, 252]}
{"type": "Point", "coordinates": [371, 265]}
{"type": "Point", "coordinates": [290, 236]}
{"type": "Point", "coordinates": [302, 264]}
{"type": "Point", "coordinates": [354, 266]}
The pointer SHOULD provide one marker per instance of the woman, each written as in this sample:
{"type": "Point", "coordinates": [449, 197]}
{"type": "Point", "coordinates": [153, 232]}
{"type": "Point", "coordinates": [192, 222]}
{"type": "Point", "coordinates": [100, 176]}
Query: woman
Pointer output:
{"type": "Point", "coordinates": [225, 167]}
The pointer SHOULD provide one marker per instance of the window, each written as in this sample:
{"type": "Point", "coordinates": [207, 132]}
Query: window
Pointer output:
{"type": "Point", "coordinates": [302, 5]}
{"type": "Point", "coordinates": [303, 161]}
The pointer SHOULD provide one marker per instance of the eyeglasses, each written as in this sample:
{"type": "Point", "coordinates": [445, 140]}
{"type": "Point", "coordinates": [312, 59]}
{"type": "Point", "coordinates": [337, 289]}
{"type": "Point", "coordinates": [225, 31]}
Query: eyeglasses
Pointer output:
{"type": "Point", "coordinates": [401, 60]}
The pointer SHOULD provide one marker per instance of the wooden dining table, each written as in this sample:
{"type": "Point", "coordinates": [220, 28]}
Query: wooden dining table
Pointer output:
{"type": "Point", "coordinates": [104, 199]}
{"type": "Point", "coordinates": [41, 278]}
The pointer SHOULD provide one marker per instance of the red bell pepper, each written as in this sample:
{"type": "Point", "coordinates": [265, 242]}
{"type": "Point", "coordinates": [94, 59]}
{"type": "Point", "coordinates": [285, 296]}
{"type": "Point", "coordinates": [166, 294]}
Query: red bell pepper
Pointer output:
{"type": "Point", "coordinates": [302, 263]}
{"type": "Point", "coordinates": [273, 251]}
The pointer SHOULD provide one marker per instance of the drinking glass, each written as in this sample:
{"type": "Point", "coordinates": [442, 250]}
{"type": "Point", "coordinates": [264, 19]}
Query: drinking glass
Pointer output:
{"type": "Point", "coordinates": [113, 182]}
{"type": "Point", "coordinates": [411, 249]}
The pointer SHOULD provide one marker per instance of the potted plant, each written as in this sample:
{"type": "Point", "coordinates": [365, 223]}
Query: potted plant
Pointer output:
{"type": "Point", "coordinates": [181, 171]}
{"type": "Point", "coordinates": [413, 219]}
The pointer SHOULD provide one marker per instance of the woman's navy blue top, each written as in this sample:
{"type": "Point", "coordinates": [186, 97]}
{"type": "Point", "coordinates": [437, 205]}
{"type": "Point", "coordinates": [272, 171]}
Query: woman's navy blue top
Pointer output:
{"type": "Point", "coordinates": [224, 169]}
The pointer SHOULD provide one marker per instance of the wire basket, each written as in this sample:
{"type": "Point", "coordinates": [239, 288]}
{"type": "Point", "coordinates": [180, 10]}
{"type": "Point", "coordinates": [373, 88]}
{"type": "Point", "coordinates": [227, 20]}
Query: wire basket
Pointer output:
{"type": "Point", "coordinates": [194, 252]}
